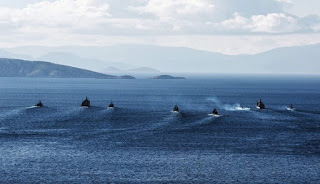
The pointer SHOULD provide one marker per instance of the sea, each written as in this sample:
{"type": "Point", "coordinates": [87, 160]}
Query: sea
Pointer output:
{"type": "Point", "coordinates": [142, 140]}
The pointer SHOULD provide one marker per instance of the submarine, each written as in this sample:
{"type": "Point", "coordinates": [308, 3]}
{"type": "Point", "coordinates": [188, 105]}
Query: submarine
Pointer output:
{"type": "Point", "coordinates": [111, 105]}
{"type": "Point", "coordinates": [215, 112]}
{"type": "Point", "coordinates": [39, 104]}
{"type": "Point", "coordinates": [176, 108]}
{"type": "Point", "coordinates": [260, 105]}
{"type": "Point", "coordinates": [85, 103]}
{"type": "Point", "coordinates": [291, 108]}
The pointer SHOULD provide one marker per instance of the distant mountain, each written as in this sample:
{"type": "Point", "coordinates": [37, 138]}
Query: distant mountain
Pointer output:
{"type": "Point", "coordinates": [6, 54]}
{"type": "Point", "coordinates": [302, 59]}
{"type": "Point", "coordinates": [167, 59]}
{"type": "Point", "coordinates": [98, 65]}
{"type": "Point", "coordinates": [134, 70]}
{"type": "Point", "coordinates": [40, 69]}
{"type": "Point", "coordinates": [113, 69]}
{"type": "Point", "coordinates": [144, 70]}
{"type": "Point", "coordinates": [70, 59]}
{"type": "Point", "coordinates": [167, 77]}
{"type": "Point", "coordinates": [291, 60]}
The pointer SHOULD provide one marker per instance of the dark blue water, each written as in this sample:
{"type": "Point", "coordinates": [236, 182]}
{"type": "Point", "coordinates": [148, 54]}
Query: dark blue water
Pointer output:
{"type": "Point", "coordinates": [141, 140]}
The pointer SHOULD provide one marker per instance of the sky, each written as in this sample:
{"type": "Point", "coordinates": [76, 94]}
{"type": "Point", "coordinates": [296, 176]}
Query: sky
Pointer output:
{"type": "Point", "coordinates": [225, 26]}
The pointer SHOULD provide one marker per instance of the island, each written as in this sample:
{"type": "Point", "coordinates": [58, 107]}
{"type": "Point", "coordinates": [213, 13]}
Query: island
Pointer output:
{"type": "Point", "coordinates": [42, 69]}
{"type": "Point", "coordinates": [166, 77]}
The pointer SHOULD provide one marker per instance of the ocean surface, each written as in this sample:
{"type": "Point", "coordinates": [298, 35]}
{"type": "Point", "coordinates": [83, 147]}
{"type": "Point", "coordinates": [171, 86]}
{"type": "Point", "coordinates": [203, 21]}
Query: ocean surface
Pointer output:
{"type": "Point", "coordinates": [142, 140]}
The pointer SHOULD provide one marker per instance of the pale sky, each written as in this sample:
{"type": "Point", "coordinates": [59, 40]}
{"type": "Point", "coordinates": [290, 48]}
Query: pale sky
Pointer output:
{"type": "Point", "coordinates": [226, 26]}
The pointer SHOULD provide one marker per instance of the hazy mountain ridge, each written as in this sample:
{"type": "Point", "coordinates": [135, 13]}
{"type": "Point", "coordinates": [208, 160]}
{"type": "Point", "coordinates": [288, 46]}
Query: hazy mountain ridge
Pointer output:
{"type": "Point", "coordinates": [291, 60]}
{"type": "Point", "coordinates": [144, 70]}
{"type": "Point", "coordinates": [73, 60]}
{"type": "Point", "coordinates": [41, 69]}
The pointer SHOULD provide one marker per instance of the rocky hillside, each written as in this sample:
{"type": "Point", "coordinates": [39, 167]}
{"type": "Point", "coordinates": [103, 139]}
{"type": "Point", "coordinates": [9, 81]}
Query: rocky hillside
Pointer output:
{"type": "Point", "coordinates": [40, 69]}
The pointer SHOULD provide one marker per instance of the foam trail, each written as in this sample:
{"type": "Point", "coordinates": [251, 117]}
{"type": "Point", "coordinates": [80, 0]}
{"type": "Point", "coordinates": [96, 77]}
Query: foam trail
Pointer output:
{"type": "Point", "coordinates": [202, 121]}
{"type": "Point", "coordinates": [162, 123]}
{"type": "Point", "coordinates": [16, 112]}
{"type": "Point", "coordinates": [70, 113]}
{"type": "Point", "coordinates": [166, 121]}
{"type": "Point", "coordinates": [214, 100]}
{"type": "Point", "coordinates": [264, 115]}
{"type": "Point", "coordinates": [107, 110]}
{"type": "Point", "coordinates": [288, 108]}
{"type": "Point", "coordinates": [175, 112]}
{"type": "Point", "coordinates": [11, 113]}
{"type": "Point", "coordinates": [235, 107]}
{"type": "Point", "coordinates": [214, 115]}
{"type": "Point", "coordinates": [32, 107]}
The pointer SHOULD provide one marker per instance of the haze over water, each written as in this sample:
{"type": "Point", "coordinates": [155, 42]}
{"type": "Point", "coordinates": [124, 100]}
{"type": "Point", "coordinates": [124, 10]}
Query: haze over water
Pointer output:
{"type": "Point", "coordinates": [141, 140]}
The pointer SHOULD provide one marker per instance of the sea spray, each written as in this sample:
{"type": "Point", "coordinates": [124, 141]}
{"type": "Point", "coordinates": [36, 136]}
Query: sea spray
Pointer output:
{"type": "Point", "coordinates": [235, 107]}
{"type": "Point", "coordinates": [215, 100]}
{"type": "Point", "coordinates": [227, 107]}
